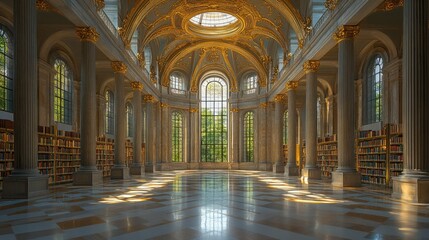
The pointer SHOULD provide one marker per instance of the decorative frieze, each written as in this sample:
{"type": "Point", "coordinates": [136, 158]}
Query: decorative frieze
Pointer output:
{"type": "Point", "coordinates": [345, 32]}
{"type": "Point", "coordinates": [87, 34]}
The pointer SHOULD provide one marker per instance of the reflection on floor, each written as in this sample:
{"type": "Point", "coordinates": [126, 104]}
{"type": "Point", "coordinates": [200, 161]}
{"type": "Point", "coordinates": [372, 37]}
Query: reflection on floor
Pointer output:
{"type": "Point", "coordinates": [212, 205]}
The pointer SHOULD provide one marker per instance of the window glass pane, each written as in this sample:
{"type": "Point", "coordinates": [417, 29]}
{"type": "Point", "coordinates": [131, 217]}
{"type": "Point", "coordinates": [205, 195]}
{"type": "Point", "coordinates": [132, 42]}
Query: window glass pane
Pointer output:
{"type": "Point", "coordinates": [109, 114]}
{"type": "Point", "coordinates": [130, 119]}
{"type": "Point", "coordinates": [248, 137]}
{"type": "Point", "coordinates": [374, 91]}
{"type": "Point", "coordinates": [62, 92]}
{"type": "Point", "coordinates": [177, 137]}
{"type": "Point", "coordinates": [6, 70]}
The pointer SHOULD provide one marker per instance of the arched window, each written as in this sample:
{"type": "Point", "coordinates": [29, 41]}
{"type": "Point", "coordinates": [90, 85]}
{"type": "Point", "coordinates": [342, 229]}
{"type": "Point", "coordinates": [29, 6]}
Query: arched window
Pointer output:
{"type": "Point", "coordinates": [134, 42]}
{"type": "Point", "coordinates": [248, 137]}
{"type": "Point", "coordinates": [373, 104]}
{"type": "Point", "coordinates": [6, 70]}
{"type": "Point", "coordinates": [285, 123]}
{"type": "Point", "coordinates": [63, 85]}
{"type": "Point", "coordinates": [110, 111]}
{"type": "Point", "coordinates": [177, 137]}
{"type": "Point", "coordinates": [214, 120]}
{"type": "Point", "coordinates": [147, 57]}
{"type": "Point", "coordinates": [250, 83]}
{"type": "Point", "coordinates": [177, 83]}
{"type": "Point", "coordinates": [280, 57]}
{"type": "Point", "coordinates": [111, 8]}
{"type": "Point", "coordinates": [130, 120]}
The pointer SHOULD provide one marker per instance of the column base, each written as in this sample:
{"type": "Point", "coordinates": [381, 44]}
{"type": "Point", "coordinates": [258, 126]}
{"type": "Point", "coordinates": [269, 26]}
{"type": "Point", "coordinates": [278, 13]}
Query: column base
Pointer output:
{"type": "Point", "coordinates": [137, 170]}
{"type": "Point", "coordinates": [278, 168]}
{"type": "Point", "coordinates": [233, 166]}
{"type": "Point", "coordinates": [411, 188]}
{"type": "Point", "coordinates": [291, 171]}
{"type": "Point", "coordinates": [87, 178]}
{"type": "Point", "coordinates": [120, 172]}
{"type": "Point", "coordinates": [24, 187]}
{"type": "Point", "coordinates": [264, 167]}
{"type": "Point", "coordinates": [346, 179]}
{"type": "Point", "coordinates": [148, 168]}
{"type": "Point", "coordinates": [311, 174]}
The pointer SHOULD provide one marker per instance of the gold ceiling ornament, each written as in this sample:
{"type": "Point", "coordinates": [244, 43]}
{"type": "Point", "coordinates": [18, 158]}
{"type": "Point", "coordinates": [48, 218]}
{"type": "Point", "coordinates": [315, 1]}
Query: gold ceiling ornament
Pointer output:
{"type": "Point", "coordinates": [346, 32]}
{"type": "Point", "coordinates": [389, 5]}
{"type": "Point", "coordinates": [234, 110]}
{"type": "Point", "coordinates": [307, 25]}
{"type": "Point", "coordinates": [99, 4]}
{"type": "Point", "coordinates": [331, 4]}
{"type": "Point", "coordinates": [193, 110]}
{"type": "Point", "coordinates": [301, 43]}
{"type": "Point", "coordinates": [42, 5]}
{"type": "Point", "coordinates": [148, 98]}
{"type": "Point", "coordinates": [291, 85]}
{"type": "Point", "coordinates": [263, 105]}
{"type": "Point", "coordinates": [87, 34]}
{"type": "Point", "coordinates": [213, 56]}
{"type": "Point", "coordinates": [153, 74]}
{"type": "Point", "coordinates": [266, 61]}
{"type": "Point", "coordinates": [275, 74]}
{"type": "Point", "coordinates": [311, 66]}
{"type": "Point", "coordinates": [137, 86]}
{"type": "Point", "coordinates": [119, 67]}
{"type": "Point", "coordinates": [279, 97]}
{"type": "Point", "coordinates": [141, 59]}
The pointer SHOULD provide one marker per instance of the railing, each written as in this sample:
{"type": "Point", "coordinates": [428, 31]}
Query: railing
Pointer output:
{"type": "Point", "coordinates": [108, 23]}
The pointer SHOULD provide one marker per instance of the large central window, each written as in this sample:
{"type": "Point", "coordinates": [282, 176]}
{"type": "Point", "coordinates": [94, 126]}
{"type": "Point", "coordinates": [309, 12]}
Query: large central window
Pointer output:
{"type": "Point", "coordinates": [214, 120]}
{"type": "Point", "coordinates": [213, 19]}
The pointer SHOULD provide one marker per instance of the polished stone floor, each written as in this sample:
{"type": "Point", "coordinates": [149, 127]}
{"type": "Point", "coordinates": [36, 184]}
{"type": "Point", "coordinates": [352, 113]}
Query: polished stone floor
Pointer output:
{"type": "Point", "coordinates": [213, 205]}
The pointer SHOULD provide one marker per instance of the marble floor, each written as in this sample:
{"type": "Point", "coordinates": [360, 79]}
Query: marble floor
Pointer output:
{"type": "Point", "coordinates": [213, 205]}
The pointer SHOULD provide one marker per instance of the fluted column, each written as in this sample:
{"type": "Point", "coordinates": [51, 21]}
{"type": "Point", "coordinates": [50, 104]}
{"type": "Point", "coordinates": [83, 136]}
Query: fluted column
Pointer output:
{"type": "Point", "coordinates": [194, 145]}
{"type": "Point", "coordinates": [262, 137]}
{"type": "Point", "coordinates": [88, 175]}
{"type": "Point", "coordinates": [137, 168]}
{"type": "Point", "coordinates": [120, 170]}
{"type": "Point", "coordinates": [150, 133]}
{"type": "Point", "coordinates": [291, 169]}
{"type": "Point", "coordinates": [277, 147]}
{"type": "Point", "coordinates": [346, 174]}
{"type": "Point", "coordinates": [165, 133]}
{"type": "Point", "coordinates": [25, 180]}
{"type": "Point", "coordinates": [311, 171]}
{"type": "Point", "coordinates": [235, 142]}
{"type": "Point", "coordinates": [413, 184]}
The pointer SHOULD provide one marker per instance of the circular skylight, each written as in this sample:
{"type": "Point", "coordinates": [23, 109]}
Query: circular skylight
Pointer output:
{"type": "Point", "coordinates": [213, 19]}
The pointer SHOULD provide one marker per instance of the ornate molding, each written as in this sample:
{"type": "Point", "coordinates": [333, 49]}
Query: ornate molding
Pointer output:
{"type": "Point", "coordinates": [99, 4]}
{"type": "Point", "coordinates": [291, 85]}
{"type": "Point", "coordinates": [119, 67]}
{"type": "Point", "coordinates": [141, 59]}
{"type": "Point", "coordinates": [193, 110]}
{"type": "Point", "coordinates": [389, 5]}
{"type": "Point", "coordinates": [234, 110]}
{"type": "Point", "coordinates": [331, 4]}
{"type": "Point", "coordinates": [346, 32]}
{"type": "Point", "coordinates": [301, 43]}
{"type": "Point", "coordinates": [311, 66]}
{"type": "Point", "coordinates": [279, 97]}
{"type": "Point", "coordinates": [275, 75]}
{"type": "Point", "coordinates": [42, 5]}
{"type": "Point", "coordinates": [87, 34]}
{"type": "Point", "coordinates": [148, 98]}
{"type": "Point", "coordinates": [307, 25]}
{"type": "Point", "coordinates": [137, 86]}
{"type": "Point", "coordinates": [153, 74]}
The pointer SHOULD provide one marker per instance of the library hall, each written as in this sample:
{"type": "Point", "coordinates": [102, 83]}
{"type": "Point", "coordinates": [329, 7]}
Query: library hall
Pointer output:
{"type": "Point", "coordinates": [214, 119]}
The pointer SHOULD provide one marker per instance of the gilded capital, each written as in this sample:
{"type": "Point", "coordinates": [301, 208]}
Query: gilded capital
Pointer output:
{"type": "Point", "coordinates": [311, 66]}
{"type": "Point", "coordinates": [119, 67]}
{"type": "Point", "coordinates": [87, 34]}
{"type": "Point", "coordinates": [291, 85]}
{"type": "Point", "coordinates": [99, 4]}
{"type": "Point", "coordinates": [331, 4]}
{"type": "Point", "coordinates": [263, 105]}
{"type": "Point", "coordinates": [42, 5]}
{"type": "Point", "coordinates": [279, 98]}
{"type": "Point", "coordinates": [234, 110]}
{"type": "Point", "coordinates": [193, 110]}
{"type": "Point", "coordinates": [149, 98]}
{"type": "Point", "coordinates": [137, 86]}
{"type": "Point", "coordinates": [345, 32]}
{"type": "Point", "coordinates": [164, 105]}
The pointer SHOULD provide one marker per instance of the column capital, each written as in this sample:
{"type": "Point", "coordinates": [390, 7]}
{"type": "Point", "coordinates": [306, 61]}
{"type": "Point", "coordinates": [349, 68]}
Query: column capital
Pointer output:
{"type": "Point", "coordinates": [345, 32]}
{"type": "Point", "coordinates": [331, 4]}
{"type": "Point", "coordinates": [291, 85]}
{"type": "Point", "coordinates": [99, 4]}
{"type": "Point", "coordinates": [119, 67]}
{"type": "Point", "coordinates": [42, 5]}
{"type": "Point", "coordinates": [164, 105]}
{"type": "Point", "coordinates": [193, 110]}
{"type": "Point", "coordinates": [263, 105]}
{"type": "Point", "coordinates": [234, 110]}
{"type": "Point", "coordinates": [89, 34]}
{"type": "Point", "coordinates": [279, 97]}
{"type": "Point", "coordinates": [311, 66]}
{"type": "Point", "coordinates": [149, 98]}
{"type": "Point", "coordinates": [137, 86]}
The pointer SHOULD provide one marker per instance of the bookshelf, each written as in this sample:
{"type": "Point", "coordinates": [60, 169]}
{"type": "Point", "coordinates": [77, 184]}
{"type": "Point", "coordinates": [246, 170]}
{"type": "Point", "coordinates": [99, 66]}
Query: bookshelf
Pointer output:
{"type": "Point", "coordinates": [395, 152]}
{"type": "Point", "coordinates": [6, 149]}
{"type": "Point", "coordinates": [105, 155]}
{"type": "Point", "coordinates": [327, 155]}
{"type": "Point", "coordinates": [46, 152]}
{"type": "Point", "coordinates": [67, 156]}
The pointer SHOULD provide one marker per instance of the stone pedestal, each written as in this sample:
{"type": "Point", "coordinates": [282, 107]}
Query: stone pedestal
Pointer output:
{"type": "Point", "coordinates": [87, 178]}
{"type": "Point", "coordinates": [21, 187]}
{"type": "Point", "coordinates": [120, 173]}
{"type": "Point", "coordinates": [137, 170]}
{"type": "Point", "coordinates": [412, 189]}
{"type": "Point", "coordinates": [311, 174]}
{"type": "Point", "coordinates": [346, 179]}
{"type": "Point", "coordinates": [291, 171]}
{"type": "Point", "coordinates": [278, 168]}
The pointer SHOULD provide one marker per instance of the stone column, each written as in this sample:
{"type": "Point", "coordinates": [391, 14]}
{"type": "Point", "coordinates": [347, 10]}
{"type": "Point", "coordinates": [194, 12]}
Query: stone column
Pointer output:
{"type": "Point", "coordinates": [137, 168]}
{"type": "Point", "coordinates": [25, 180]}
{"type": "Point", "coordinates": [194, 145]}
{"type": "Point", "coordinates": [150, 133]}
{"type": "Point", "coordinates": [262, 137]}
{"type": "Point", "coordinates": [165, 135]}
{"type": "Point", "coordinates": [235, 135]}
{"type": "Point", "coordinates": [120, 170]}
{"type": "Point", "coordinates": [346, 174]}
{"type": "Point", "coordinates": [311, 171]}
{"type": "Point", "coordinates": [277, 146]}
{"type": "Point", "coordinates": [291, 169]}
{"type": "Point", "coordinates": [413, 184]}
{"type": "Point", "coordinates": [88, 175]}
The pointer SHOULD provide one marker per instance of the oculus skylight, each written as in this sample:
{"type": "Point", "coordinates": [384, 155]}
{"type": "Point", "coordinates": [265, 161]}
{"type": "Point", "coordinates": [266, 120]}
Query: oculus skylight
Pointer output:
{"type": "Point", "coordinates": [213, 19]}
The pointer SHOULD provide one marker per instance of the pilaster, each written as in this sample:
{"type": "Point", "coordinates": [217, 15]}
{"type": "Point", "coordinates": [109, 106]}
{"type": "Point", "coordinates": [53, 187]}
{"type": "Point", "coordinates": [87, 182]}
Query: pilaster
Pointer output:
{"type": "Point", "coordinates": [137, 168]}
{"type": "Point", "coordinates": [277, 146]}
{"type": "Point", "coordinates": [291, 169]}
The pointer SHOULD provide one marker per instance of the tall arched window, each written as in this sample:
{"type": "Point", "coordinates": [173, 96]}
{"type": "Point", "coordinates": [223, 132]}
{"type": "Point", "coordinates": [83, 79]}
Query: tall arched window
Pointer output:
{"type": "Point", "coordinates": [214, 120]}
{"type": "Point", "coordinates": [177, 83]}
{"type": "Point", "coordinates": [110, 113]}
{"type": "Point", "coordinates": [285, 123]}
{"type": "Point", "coordinates": [130, 120]}
{"type": "Point", "coordinates": [147, 57]}
{"type": "Point", "coordinates": [63, 85]}
{"type": "Point", "coordinates": [373, 104]}
{"type": "Point", "coordinates": [111, 8]}
{"type": "Point", "coordinates": [177, 137]}
{"type": "Point", "coordinates": [248, 137]}
{"type": "Point", "coordinates": [6, 70]}
{"type": "Point", "coordinates": [250, 83]}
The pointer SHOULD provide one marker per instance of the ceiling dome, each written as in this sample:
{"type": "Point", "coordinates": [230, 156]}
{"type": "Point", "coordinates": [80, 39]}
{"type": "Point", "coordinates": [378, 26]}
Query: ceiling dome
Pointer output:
{"type": "Point", "coordinates": [213, 19]}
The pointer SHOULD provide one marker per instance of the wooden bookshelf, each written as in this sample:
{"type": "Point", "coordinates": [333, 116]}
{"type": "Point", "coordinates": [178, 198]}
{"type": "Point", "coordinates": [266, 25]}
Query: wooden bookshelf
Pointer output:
{"type": "Point", "coordinates": [327, 155]}
{"type": "Point", "coordinates": [67, 156]}
{"type": "Point", "coordinates": [6, 149]}
{"type": "Point", "coordinates": [46, 153]}
{"type": "Point", "coordinates": [395, 152]}
{"type": "Point", "coordinates": [105, 155]}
